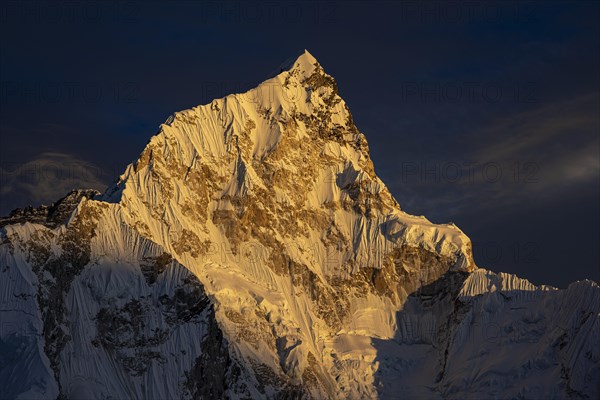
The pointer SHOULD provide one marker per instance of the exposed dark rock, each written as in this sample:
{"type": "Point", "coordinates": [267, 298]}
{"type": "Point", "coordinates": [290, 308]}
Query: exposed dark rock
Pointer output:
{"type": "Point", "coordinates": [126, 330]}
{"type": "Point", "coordinates": [208, 378]}
{"type": "Point", "coordinates": [188, 302]}
{"type": "Point", "coordinates": [152, 267]}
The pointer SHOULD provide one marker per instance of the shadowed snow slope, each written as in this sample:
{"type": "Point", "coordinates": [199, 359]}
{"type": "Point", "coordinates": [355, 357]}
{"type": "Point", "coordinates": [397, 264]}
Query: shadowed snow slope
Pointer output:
{"type": "Point", "coordinates": [252, 252]}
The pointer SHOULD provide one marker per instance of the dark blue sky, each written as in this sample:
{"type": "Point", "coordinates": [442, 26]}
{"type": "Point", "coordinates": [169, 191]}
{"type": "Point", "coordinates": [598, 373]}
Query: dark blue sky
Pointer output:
{"type": "Point", "coordinates": [480, 113]}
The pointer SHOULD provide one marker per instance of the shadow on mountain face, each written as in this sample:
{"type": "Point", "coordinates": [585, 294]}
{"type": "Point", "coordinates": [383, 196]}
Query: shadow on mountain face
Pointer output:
{"type": "Point", "coordinates": [499, 344]}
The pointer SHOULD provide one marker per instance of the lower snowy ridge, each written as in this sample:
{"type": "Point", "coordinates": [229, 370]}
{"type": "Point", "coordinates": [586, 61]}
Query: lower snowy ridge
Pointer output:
{"type": "Point", "coordinates": [494, 336]}
{"type": "Point", "coordinates": [93, 310]}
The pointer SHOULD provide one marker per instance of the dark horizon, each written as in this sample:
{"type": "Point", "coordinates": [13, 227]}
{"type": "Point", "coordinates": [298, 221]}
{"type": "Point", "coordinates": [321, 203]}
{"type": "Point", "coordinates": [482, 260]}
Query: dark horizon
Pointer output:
{"type": "Point", "coordinates": [483, 114]}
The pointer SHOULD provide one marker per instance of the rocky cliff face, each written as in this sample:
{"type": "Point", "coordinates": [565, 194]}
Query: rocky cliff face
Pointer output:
{"type": "Point", "coordinates": [251, 251]}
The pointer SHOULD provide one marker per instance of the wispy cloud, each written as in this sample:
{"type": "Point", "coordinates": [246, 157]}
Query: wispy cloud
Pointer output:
{"type": "Point", "coordinates": [541, 154]}
{"type": "Point", "coordinates": [46, 178]}
{"type": "Point", "coordinates": [560, 143]}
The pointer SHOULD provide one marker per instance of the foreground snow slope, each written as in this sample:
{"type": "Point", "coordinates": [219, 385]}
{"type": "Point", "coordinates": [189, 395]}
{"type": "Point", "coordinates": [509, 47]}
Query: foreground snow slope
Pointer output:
{"type": "Point", "coordinates": [251, 251]}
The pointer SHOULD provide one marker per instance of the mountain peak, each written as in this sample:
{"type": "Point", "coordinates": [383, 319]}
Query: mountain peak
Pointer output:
{"type": "Point", "coordinates": [302, 59]}
{"type": "Point", "coordinates": [252, 252]}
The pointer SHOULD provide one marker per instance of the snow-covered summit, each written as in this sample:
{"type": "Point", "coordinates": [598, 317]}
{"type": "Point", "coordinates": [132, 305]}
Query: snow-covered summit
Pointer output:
{"type": "Point", "coordinates": [302, 59]}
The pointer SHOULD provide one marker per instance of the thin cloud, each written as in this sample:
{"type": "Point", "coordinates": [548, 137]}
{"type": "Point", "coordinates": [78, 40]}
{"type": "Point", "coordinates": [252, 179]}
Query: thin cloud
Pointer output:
{"type": "Point", "coordinates": [45, 179]}
{"type": "Point", "coordinates": [558, 142]}
{"type": "Point", "coordinates": [541, 154]}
